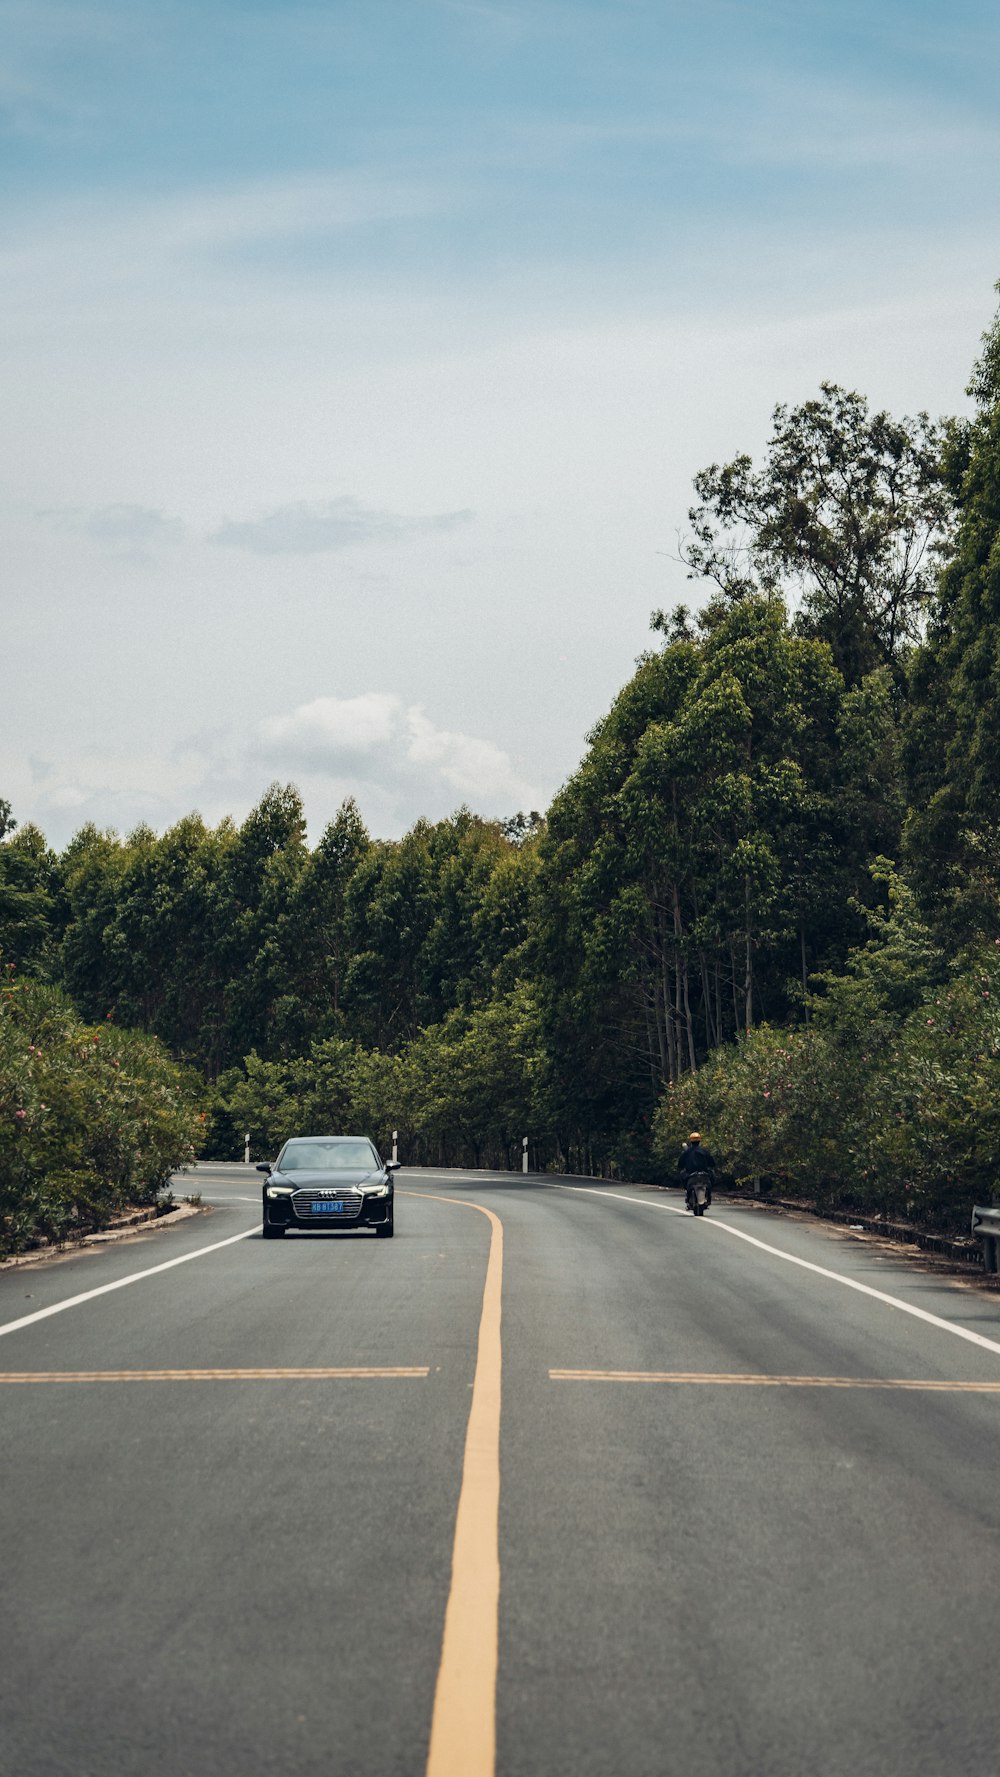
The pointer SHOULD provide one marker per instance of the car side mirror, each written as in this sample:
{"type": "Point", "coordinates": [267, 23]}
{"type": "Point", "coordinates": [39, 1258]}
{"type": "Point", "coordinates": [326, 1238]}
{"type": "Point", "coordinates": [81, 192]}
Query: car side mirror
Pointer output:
{"type": "Point", "coordinates": [391, 1165]}
{"type": "Point", "coordinates": [264, 1166]}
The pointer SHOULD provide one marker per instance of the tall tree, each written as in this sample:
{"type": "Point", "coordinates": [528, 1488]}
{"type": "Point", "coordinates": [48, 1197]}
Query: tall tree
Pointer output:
{"type": "Point", "coordinates": [845, 516]}
{"type": "Point", "coordinates": [305, 951]}
{"type": "Point", "coordinates": [953, 726]}
{"type": "Point", "coordinates": [32, 908]}
{"type": "Point", "coordinates": [703, 858]}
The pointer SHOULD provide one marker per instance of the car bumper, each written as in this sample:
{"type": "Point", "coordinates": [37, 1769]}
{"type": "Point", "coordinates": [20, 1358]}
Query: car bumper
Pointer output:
{"type": "Point", "coordinates": [283, 1212]}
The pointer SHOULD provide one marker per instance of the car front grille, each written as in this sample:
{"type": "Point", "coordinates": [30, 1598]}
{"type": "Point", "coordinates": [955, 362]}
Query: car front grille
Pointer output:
{"type": "Point", "coordinates": [350, 1206]}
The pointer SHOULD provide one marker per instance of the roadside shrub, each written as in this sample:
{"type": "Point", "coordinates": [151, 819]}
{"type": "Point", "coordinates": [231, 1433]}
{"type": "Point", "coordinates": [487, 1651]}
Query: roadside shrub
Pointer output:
{"type": "Point", "coordinates": [93, 1119]}
{"type": "Point", "coordinates": [882, 1107]}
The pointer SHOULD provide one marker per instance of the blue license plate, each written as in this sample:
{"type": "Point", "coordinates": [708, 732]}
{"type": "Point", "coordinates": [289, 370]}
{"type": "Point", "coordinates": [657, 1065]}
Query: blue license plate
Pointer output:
{"type": "Point", "coordinates": [333, 1208]}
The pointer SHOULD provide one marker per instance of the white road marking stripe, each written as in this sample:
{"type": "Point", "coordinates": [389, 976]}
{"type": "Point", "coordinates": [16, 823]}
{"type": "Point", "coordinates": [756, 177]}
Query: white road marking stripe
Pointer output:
{"type": "Point", "coordinates": [105, 1289]}
{"type": "Point", "coordinates": [709, 1377]}
{"type": "Point", "coordinates": [341, 1374]}
{"type": "Point", "coordinates": [849, 1283]}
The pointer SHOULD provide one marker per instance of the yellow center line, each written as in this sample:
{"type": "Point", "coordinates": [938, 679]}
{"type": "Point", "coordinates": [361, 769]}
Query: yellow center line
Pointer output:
{"type": "Point", "coordinates": [300, 1375]}
{"type": "Point", "coordinates": [463, 1726]}
{"type": "Point", "coordinates": [710, 1377]}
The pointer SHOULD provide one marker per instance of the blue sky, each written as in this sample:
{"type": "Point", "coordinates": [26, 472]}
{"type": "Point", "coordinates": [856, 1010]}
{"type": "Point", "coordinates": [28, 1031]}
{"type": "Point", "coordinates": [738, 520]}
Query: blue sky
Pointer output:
{"type": "Point", "coordinates": [358, 360]}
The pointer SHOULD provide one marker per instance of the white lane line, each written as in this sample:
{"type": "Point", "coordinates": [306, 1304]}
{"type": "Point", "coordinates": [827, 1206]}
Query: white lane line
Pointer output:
{"type": "Point", "coordinates": [849, 1283]}
{"type": "Point", "coordinates": [342, 1374]}
{"type": "Point", "coordinates": [105, 1289]}
{"type": "Point", "coordinates": [709, 1378]}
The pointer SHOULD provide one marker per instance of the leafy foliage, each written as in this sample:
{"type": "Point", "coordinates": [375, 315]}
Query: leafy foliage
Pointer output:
{"type": "Point", "coordinates": [953, 720]}
{"type": "Point", "coordinates": [32, 907]}
{"type": "Point", "coordinates": [91, 1118]}
{"type": "Point", "coordinates": [704, 858]}
{"type": "Point", "coordinates": [887, 1100]}
{"type": "Point", "coordinates": [463, 1091]}
{"type": "Point", "coordinates": [847, 513]}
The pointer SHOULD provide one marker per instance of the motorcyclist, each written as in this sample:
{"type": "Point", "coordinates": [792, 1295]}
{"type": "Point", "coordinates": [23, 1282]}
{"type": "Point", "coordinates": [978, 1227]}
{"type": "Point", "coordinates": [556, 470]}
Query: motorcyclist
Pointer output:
{"type": "Point", "coordinates": [694, 1158]}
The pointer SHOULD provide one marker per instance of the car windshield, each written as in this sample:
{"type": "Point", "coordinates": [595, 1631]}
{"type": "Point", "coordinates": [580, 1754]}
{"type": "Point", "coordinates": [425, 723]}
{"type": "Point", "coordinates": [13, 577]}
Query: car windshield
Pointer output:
{"type": "Point", "coordinates": [327, 1156]}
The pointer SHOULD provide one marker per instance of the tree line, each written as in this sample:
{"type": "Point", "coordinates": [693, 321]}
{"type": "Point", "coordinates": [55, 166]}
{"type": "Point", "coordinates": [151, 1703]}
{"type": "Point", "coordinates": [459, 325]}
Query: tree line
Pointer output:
{"type": "Point", "coordinates": [768, 899]}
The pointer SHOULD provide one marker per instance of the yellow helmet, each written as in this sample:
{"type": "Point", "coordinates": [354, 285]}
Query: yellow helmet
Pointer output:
{"type": "Point", "coordinates": [695, 1135]}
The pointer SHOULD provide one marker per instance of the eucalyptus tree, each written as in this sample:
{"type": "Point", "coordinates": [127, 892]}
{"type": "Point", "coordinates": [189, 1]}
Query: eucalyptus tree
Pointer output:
{"type": "Point", "coordinates": [164, 930]}
{"type": "Point", "coordinates": [953, 724]}
{"type": "Point", "coordinates": [32, 906]}
{"type": "Point", "coordinates": [429, 919]}
{"type": "Point", "coordinates": [304, 950]}
{"type": "Point", "coordinates": [388, 912]}
{"type": "Point", "coordinates": [465, 940]}
{"type": "Point", "coordinates": [161, 947]}
{"type": "Point", "coordinates": [703, 858]}
{"type": "Point", "coordinates": [93, 867]}
{"type": "Point", "coordinates": [846, 516]}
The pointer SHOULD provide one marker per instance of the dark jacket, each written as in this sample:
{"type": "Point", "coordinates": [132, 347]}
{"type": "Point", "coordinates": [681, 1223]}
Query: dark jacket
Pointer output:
{"type": "Point", "coordinates": [697, 1158]}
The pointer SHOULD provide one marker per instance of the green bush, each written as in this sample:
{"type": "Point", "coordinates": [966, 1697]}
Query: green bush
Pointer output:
{"type": "Point", "coordinates": [879, 1105]}
{"type": "Point", "coordinates": [92, 1119]}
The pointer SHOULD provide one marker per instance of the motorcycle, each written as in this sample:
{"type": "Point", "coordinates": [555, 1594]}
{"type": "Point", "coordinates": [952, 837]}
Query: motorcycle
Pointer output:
{"type": "Point", "coordinates": [699, 1192]}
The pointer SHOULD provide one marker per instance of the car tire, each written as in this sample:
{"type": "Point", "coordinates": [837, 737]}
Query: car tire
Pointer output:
{"type": "Point", "coordinates": [271, 1233]}
{"type": "Point", "coordinates": [385, 1231]}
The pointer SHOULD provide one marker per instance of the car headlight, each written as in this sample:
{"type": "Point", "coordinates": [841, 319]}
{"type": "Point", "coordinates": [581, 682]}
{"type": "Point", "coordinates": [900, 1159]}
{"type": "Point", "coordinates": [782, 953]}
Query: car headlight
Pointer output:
{"type": "Point", "coordinates": [279, 1190]}
{"type": "Point", "coordinates": [376, 1190]}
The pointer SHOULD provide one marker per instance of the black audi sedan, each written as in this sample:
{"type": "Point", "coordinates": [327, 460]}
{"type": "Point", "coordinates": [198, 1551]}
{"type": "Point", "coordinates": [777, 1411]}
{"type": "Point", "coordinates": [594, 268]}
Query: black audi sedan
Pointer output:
{"type": "Point", "coordinates": [328, 1181]}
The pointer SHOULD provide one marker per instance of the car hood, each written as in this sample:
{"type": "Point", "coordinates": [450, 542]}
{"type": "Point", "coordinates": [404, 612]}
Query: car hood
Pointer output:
{"type": "Point", "coordinates": [341, 1178]}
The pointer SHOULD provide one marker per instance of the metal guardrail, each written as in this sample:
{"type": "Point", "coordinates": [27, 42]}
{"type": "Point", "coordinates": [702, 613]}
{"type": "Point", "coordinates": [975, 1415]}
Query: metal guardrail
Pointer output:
{"type": "Point", "coordinates": [986, 1227]}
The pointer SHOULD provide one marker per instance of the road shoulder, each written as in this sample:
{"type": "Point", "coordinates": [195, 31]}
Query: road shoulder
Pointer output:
{"type": "Point", "coordinates": [137, 1228]}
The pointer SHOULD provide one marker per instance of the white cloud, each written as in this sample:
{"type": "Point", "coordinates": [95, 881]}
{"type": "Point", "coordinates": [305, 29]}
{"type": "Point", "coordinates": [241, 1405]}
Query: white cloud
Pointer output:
{"type": "Point", "coordinates": [68, 800]}
{"type": "Point", "coordinates": [120, 524]}
{"type": "Point", "coordinates": [311, 527]}
{"type": "Point", "coordinates": [320, 731]}
{"type": "Point", "coordinates": [70, 796]}
{"type": "Point", "coordinates": [476, 768]}
{"type": "Point", "coordinates": [393, 756]}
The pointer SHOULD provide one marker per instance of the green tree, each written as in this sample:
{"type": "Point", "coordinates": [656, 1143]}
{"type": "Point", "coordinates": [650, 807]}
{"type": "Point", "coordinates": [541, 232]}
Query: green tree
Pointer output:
{"type": "Point", "coordinates": [93, 867]}
{"type": "Point", "coordinates": [168, 930]}
{"type": "Point", "coordinates": [953, 724]}
{"type": "Point", "coordinates": [846, 515]}
{"type": "Point", "coordinates": [700, 864]}
{"type": "Point", "coordinates": [32, 908]}
{"type": "Point", "coordinates": [389, 910]}
{"type": "Point", "coordinates": [305, 951]}
{"type": "Point", "coordinates": [888, 1102]}
{"type": "Point", "coordinates": [92, 1118]}
{"type": "Point", "coordinates": [428, 921]}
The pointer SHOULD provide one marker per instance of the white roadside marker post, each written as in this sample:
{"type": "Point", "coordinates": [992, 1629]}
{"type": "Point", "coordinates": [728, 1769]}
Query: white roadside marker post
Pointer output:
{"type": "Point", "coordinates": [524, 1153]}
{"type": "Point", "coordinates": [395, 1144]}
{"type": "Point", "coordinates": [246, 1149]}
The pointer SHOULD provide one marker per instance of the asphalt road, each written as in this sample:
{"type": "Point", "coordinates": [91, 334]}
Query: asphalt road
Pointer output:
{"type": "Point", "coordinates": [731, 1543]}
